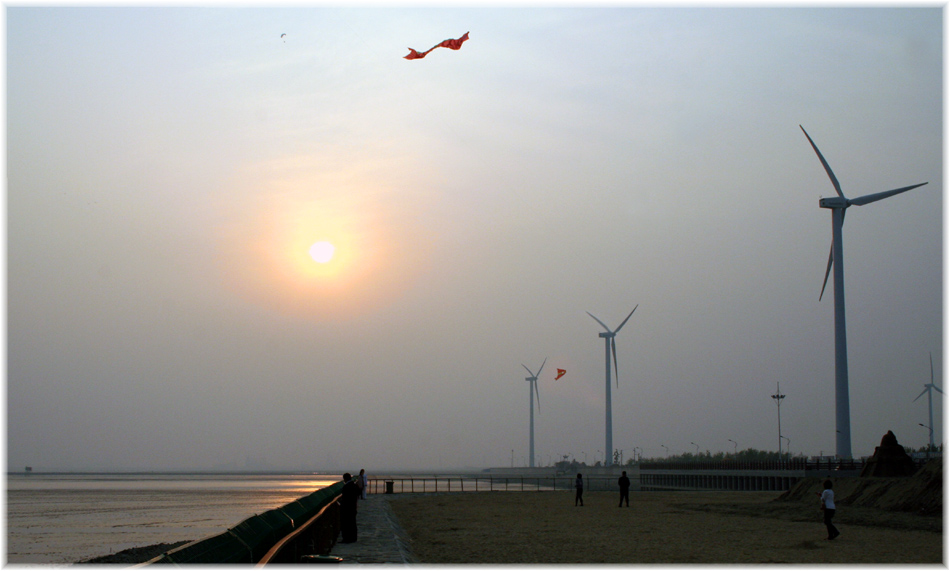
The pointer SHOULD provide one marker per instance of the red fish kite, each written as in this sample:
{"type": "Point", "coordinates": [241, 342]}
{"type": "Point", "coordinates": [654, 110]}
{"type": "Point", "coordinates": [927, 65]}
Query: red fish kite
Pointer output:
{"type": "Point", "coordinates": [560, 373]}
{"type": "Point", "coordinates": [451, 44]}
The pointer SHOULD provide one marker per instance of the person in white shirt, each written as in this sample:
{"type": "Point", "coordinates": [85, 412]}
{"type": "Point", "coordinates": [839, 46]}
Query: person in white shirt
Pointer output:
{"type": "Point", "coordinates": [828, 506]}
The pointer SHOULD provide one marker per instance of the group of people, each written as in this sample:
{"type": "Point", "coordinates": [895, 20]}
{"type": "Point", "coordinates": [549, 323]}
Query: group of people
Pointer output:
{"type": "Point", "coordinates": [354, 489]}
{"type": "Point", "coordinates": [623, 482]}
{"type": "Point", "coordinates": [826, 498]}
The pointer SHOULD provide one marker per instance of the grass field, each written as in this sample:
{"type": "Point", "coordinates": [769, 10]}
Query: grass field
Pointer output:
{"type": "Point", "coordinates": [658, 527]}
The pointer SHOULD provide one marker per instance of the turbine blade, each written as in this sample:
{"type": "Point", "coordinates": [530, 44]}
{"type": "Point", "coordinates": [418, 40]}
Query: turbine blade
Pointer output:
{"type": "Point", "coordinates": [613, 346]}
{"type": "Point", "coordinates": [527, 369]}
{"type": "Point", "coordinates": [921, 394]}
{"type": "Point", "coordinates": [936, 388]}
{"type": "Point", "coordinates": [625, 320]}
{"type": "Point", "coordinates": [868, 198]}
{"type": "Point", "coordinates": [537, 393]}
{"type": "Point", "coordinates": [824, 163]}
{"type": "Point", "coordinates": [542, 366]}
{"type": "Point", "coordinates": [599, 321]}
{"type": "Point", "coordinates": [824, 284]}
{"type": "Point", "coordinates": [931, 367]}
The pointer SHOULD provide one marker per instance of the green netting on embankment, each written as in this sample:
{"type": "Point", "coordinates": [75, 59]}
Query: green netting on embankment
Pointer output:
{"type": "Point", "coordinates": [249, 540]}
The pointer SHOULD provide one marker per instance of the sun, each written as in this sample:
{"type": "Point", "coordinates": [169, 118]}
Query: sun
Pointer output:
{"type": "Point", "coordinates": [322, 252]}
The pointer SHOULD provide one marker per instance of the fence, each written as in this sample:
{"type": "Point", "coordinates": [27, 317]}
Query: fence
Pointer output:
{"type": "Point", "coordinates": [408, 485]}
{"type": "Point", "coordinates": [793, 464]}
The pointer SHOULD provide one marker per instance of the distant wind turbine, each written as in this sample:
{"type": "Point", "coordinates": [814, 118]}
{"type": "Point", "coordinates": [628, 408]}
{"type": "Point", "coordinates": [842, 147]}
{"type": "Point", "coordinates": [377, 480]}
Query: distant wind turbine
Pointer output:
{"type": "Point", "coordinates": [838, 205]}
{"type": "Point", "coordinates": [610, 347]}
{"type": "Point", "coordinates": [929, 388]}
{"type": "Point", "coordinates": [533, 384]}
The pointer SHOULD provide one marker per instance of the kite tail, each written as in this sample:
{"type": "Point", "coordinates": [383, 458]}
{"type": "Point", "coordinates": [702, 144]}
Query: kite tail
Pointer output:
{"type": "Point", "coordinates": [413, 54]}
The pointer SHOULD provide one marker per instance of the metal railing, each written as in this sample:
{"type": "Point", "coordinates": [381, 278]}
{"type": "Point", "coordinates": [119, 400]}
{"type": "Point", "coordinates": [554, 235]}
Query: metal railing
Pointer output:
{"type": "Point", "coordinates": [793, 464]}
{"type": "Point", "coordinates": [796, 464]}
{"type": "Point", "coordinates": [413, 484]}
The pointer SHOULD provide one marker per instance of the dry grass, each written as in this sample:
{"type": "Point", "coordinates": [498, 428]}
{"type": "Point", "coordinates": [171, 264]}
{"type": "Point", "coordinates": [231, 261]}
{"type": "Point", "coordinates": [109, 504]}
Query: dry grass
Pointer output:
{"type": "Point", "coordinates": [658, 527]}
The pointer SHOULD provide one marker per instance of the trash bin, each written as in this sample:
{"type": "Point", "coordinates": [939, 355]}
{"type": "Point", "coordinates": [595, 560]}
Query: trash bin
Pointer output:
{"type": "Point", "coordinates": [389, 486]}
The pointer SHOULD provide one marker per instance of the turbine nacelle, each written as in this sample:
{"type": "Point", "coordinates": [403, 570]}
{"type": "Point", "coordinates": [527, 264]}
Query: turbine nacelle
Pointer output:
{"type": "Point", "coordinates": [834, 202]}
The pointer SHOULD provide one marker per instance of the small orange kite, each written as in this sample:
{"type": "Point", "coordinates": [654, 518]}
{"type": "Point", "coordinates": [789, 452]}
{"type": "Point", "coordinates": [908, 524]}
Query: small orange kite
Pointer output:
{"type": "Point", "coordinates": [560, 373]}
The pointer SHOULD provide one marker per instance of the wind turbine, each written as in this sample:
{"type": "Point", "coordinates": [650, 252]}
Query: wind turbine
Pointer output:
{"type": "Point", "coordinates": [838, 205]}
{"type": "Point", "coordinates": [533, 384]}
{"type": "Point", "coordinates": [929, 388]}
{"type": "Point", "coordinates": [610, 346]}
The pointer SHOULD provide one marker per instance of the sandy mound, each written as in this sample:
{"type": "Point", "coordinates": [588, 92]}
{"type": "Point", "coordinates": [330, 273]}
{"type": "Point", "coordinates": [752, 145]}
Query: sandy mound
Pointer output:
{"type": "Point", "coordinates": [921, 493]}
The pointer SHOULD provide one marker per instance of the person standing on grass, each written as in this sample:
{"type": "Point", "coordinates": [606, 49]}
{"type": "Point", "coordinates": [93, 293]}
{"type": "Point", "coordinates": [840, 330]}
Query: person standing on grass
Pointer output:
{"type": "Point", "coordinates": [579, 486]}
{"type": "Point", "coordinates": [828, 507]}
{"type": "Point", "coordinates": [624, 483]}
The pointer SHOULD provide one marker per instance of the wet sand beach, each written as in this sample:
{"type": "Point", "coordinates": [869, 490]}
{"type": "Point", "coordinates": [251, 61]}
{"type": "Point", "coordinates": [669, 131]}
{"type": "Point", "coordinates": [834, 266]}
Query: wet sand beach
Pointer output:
{"type": "Point", "coordinates": [658, 527]}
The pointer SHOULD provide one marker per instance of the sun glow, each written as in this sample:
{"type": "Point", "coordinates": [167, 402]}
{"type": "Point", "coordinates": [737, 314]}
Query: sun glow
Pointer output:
{"type": "Point", "coordinates": [322, 252]}
{"type": "Point", "coordinates": [369, 249]}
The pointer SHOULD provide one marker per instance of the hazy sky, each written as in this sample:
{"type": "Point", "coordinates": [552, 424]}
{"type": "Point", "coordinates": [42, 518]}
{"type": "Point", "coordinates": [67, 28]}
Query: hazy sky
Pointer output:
{"type": "Point", "coordinates": [169, 168]}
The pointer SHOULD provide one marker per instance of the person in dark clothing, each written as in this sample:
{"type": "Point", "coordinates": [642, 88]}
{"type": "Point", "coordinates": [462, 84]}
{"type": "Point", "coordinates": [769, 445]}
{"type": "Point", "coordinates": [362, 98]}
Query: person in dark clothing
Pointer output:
{"type": "Point", "coordinates": [579, 486]}
{"type": "Point", "coordinates": [624, 483]}
{"type": "Point", "coordinates": [348, 498]}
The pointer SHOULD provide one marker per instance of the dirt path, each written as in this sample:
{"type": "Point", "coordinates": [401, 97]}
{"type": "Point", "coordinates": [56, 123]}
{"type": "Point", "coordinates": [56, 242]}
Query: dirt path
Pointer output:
{"type": "Point", "coordinates": [659, 527]}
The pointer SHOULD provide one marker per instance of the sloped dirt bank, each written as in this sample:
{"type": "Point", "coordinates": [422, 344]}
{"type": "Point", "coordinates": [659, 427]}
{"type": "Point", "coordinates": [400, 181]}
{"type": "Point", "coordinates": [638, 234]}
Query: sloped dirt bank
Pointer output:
{"type": "Point", "coordinates": [920, 494]}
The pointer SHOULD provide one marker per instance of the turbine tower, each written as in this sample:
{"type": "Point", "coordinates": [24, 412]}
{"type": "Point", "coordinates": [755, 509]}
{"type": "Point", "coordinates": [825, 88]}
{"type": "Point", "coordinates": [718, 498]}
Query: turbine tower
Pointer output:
{"type": "Point", "coordinates": [929, 388]}
{"type": "Point", "coordinates": [610, 346]}
{"type": "Point", "coordinates": [533, 384]}
{"type": "Point", "coordinates": [838, 205]}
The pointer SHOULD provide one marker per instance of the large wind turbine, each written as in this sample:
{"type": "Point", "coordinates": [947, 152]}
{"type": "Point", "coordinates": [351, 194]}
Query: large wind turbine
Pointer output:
{"type": "Point", "coordinates": [610, 346]}
{"type": "Point", "coordinates": [533, 390]}
{"type": "Point", "coordinates": [838, 205]}
{"type": "Point", "coordinates": [929, 388]}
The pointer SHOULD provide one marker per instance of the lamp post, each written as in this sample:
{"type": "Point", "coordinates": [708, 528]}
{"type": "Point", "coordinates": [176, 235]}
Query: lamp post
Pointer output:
{"type": "Point", "coordinates": [735, 446]}
{"type": "Point", "coordinates": [931, 446]}
{"type": "Point", "coordinates": [778, 396]}
{"type": "Point", "coordinates": [667, 450]}
{"type": "Point", "coordinates": [697, 447]}
{"type": "Point", "coordinates": [788, 448]}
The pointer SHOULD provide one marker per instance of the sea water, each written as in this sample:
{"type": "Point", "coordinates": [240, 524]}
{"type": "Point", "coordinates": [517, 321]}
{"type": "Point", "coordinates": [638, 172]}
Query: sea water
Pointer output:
{"type": "Point", "coordinates": [65, 518]}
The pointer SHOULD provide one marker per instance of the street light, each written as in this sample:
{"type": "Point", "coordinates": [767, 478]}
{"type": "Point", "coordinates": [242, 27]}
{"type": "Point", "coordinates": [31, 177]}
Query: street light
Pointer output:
{"type": "Point", "coordinates": [788, 448]}
{"type": "Point", "coordinates": [778, 396]}
{"type": "Point", "coordinates": [735, 447]}
{"type": "Point", "coordinates": [930, 447]}
{"type": "Point", "coordinates": [697, 447]}
{"type": "Point", "coordinates": [667, 450]}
